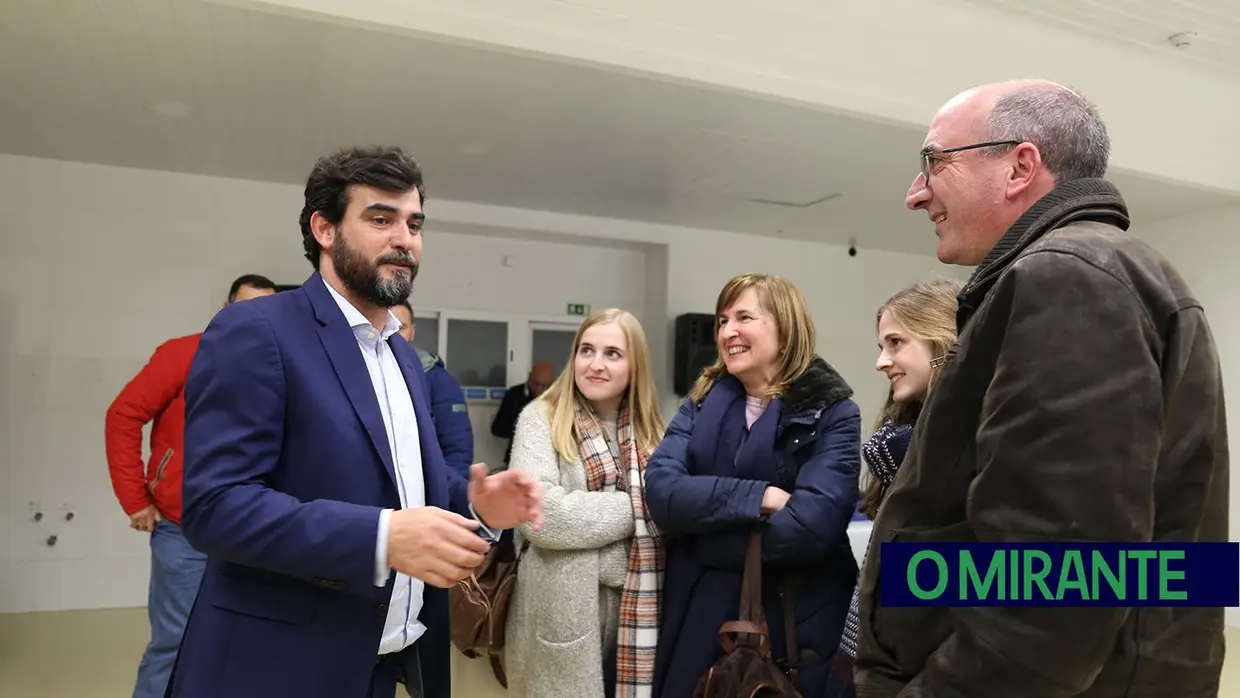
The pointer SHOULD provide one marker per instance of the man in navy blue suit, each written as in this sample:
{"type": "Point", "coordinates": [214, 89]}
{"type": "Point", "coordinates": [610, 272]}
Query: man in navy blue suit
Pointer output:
{"type": "Point", "coordinates": [313, 478]}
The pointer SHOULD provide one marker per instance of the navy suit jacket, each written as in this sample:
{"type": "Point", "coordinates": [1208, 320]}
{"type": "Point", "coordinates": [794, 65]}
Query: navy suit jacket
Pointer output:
{"type": "Point", "coordinates": [287, 467]}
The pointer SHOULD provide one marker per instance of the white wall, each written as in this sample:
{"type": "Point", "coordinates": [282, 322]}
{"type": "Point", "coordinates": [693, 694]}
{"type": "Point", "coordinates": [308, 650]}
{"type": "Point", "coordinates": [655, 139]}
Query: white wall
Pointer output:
{"type": "Point", "coordinates": [104, 263]}
{"type": "Point", "coordinates": [1203, 247]}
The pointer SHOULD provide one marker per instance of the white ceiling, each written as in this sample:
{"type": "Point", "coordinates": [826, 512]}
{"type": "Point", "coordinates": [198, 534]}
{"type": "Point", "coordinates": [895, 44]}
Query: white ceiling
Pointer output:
{"type": "Point", "coordinates": [269, 93]}
{"type": "Point", "coordinates": [1146, 25]}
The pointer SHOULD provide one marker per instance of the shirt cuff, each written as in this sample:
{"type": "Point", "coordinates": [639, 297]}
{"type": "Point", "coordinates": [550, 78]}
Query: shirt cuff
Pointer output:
{"type": "Point", "coordinates": [489, 534]}
{"type": "Point", "coordinates": [382, 571]}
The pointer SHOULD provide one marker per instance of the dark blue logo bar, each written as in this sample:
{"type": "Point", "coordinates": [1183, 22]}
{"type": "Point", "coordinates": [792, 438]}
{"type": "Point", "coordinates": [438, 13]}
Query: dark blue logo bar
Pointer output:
{"type": "Point", "coordinates": [1060, 574]}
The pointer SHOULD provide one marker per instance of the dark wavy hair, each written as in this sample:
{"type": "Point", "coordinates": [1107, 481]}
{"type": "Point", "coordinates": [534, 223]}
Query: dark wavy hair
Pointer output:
{"type": "Point", "coordinates": [327, 189]}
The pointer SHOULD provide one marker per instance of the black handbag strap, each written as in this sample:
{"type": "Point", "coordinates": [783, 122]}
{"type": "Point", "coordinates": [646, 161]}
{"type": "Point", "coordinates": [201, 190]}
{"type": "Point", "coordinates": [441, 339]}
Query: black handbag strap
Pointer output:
{"type": "Point", "coordinates": [790, 635]}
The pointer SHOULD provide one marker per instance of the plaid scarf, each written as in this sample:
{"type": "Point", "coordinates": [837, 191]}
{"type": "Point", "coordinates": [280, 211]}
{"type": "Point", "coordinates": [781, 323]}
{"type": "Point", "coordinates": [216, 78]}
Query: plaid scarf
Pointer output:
{"type": "Point", "coordinates": [642, 591]}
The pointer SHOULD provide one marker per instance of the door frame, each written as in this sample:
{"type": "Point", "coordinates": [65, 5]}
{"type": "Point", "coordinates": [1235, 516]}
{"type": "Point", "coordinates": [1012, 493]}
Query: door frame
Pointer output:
{"type": "Point", "coordinates": [521, 328]}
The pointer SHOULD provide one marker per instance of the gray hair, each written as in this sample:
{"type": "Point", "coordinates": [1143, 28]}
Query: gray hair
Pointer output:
{"type": "Point", "coordinates": [1066, 128]}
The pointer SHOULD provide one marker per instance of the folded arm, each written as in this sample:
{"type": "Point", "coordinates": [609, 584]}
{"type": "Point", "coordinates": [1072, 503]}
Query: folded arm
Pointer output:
{"type": "Point", "coordinates": [1067, 450]}
{"type": "Point", "coordinates": [234, 427]}
{"type": "Point", "coordinates": [815, 518]}
{"type": "Point", "coordinates": [572, 520]}
{"type": "Point", "coordinates": [685, 504]}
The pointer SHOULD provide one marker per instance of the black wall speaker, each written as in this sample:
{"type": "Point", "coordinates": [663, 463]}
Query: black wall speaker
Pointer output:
{"type": "Point", "coordinates": [695, 349]}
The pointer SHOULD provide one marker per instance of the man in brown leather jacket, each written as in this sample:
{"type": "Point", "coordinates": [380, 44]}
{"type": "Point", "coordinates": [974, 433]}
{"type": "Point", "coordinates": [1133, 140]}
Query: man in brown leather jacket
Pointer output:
{"type": "Point", "coordinates": [1082, 402]}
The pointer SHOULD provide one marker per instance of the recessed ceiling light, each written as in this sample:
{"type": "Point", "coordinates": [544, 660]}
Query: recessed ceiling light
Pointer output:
{"type": "Point", "coordinates": [174, 109]}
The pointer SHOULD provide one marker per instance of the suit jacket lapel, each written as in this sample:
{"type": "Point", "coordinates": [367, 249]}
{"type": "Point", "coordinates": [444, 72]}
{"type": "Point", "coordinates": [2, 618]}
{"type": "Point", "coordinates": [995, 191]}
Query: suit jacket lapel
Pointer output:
{"type": "Point", "coordinates": [433, 468]}
{"type": "Point", "coordinates": [346, 357]}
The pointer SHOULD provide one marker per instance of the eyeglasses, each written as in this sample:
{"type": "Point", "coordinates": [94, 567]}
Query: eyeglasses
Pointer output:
{"type": "Point", "coordinates": [930, 156]}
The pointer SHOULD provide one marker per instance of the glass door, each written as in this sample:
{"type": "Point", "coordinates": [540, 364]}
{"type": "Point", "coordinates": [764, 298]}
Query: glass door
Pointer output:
{"type": "Point", "coordinates": [553, 343]}
{"type": "Point", "coordinates": [476, 351]}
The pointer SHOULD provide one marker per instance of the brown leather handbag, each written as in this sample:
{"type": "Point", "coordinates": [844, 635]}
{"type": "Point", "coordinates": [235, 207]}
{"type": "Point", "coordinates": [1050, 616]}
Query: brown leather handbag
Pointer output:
{"type": "Point", "coordinates": [747, 669]}
{"type": "Point", "coordinates": [478, 607]}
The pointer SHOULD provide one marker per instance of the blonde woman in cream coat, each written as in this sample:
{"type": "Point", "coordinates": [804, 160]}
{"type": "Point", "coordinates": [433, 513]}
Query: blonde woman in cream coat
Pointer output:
{"type": "Point", "coordinates": [586, 439]}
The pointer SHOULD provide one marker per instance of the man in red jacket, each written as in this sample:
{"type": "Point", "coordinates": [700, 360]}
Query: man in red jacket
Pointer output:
{"type": "Point", "coordinates": [151, 493]}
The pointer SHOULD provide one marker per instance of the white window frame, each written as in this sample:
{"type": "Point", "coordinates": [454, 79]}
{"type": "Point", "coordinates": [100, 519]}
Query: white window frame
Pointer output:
{"type": "Point", "coordinates": [534, 325]}
{"type": "Point", "coordinates": [520, 338]}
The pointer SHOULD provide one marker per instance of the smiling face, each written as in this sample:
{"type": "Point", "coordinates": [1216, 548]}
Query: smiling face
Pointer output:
{"type": "Point", "coordinates": [748, 341]}
{"type": "Point", "coordinates": [964, 194]}
{"type": "Point", "coordinates": [905, 360]}
{"type": "Point", "coordinates": [601, 366]}
{"type": "Point", "coordinates": [974, 194]}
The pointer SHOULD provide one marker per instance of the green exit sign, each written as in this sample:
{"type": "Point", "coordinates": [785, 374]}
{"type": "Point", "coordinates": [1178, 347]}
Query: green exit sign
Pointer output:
{"type": "Point", "coordinates": [578, 309]}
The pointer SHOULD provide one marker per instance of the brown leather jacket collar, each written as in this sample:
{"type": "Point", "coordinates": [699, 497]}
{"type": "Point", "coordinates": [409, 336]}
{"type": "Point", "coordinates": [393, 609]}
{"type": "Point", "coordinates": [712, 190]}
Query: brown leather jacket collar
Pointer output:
{"type": "Point", "coordinates": [1081, 199]}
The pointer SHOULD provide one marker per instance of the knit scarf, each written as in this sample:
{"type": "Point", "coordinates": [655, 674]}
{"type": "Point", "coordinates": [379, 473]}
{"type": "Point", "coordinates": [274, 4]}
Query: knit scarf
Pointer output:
{"type": "Point", "coordinates": [884, 452]}
{"type": "Point", "coordinates": [641, 594]}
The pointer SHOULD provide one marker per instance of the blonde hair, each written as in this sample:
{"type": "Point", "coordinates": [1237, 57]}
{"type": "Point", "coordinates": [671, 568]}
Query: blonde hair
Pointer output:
{"type": "Point", "coordinates": [927, 312]}
{"type": "Point", "coordinates": [640, 396]}
{"type": "Point", "coordinates": [793, 323]}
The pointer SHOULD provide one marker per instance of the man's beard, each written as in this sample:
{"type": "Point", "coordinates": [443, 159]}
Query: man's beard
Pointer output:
{"type": "Point", "coordinates": [364, 279]}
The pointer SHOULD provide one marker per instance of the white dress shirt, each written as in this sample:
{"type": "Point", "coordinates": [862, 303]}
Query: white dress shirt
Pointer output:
{"type": "Point", "coordinates": [400, 422]}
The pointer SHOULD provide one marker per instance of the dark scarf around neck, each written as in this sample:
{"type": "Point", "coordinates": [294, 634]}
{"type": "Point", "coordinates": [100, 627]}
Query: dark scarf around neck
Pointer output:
{"type": "Point", "coordinates": [884, 450]}
{"type": "Point", "coordinates": [722, 444]}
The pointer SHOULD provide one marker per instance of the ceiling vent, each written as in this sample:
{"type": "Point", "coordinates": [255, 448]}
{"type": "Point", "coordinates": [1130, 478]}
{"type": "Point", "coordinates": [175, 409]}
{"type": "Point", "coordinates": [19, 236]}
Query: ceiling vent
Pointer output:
{"type": "Point", "coordinates": [795, 204]}
{"type": "Point", "coordinates": [1183, 39]}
